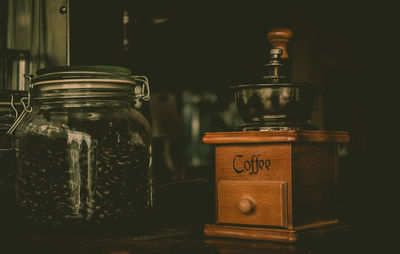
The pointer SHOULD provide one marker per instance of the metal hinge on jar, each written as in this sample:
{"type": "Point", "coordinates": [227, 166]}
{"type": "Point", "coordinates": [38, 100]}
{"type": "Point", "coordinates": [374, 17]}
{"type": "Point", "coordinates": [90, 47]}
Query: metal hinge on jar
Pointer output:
{"type": "Point", "coordinates": [145, 92]}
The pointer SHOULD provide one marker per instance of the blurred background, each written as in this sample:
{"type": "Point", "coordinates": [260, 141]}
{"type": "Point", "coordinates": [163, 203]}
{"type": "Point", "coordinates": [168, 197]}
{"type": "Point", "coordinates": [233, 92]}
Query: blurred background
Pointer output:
{"type": "Point", "coordinates": [192, 51]}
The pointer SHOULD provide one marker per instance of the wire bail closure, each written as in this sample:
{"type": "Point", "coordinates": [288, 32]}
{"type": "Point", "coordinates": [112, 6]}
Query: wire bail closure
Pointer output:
{"type": "Point", "coordinates": [27, 108]}
{"type": "Point", "coordinates": [16, 116]}
{"type": "Point", "coordinates": [145, 92]}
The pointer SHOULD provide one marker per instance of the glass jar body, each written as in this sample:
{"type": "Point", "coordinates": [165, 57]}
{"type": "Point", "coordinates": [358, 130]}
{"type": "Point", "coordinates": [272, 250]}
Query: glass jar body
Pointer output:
{"type": "Point", "coordinates": [7, 167]}
{"type": "Point", "coordinates": [84, 163]}
{"type": "Point", "coordinates": [9, 106]}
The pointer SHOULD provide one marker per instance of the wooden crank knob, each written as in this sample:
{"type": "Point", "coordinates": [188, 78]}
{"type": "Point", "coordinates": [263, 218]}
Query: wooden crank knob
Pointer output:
{"type": "Point", "coordinates": [246, 206]}
{"type": "Point", "coordinates": [279, 38]}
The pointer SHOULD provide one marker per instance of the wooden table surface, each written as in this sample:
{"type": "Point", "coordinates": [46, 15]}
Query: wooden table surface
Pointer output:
{"type": "Point", "coordinates": [183, 233]}
{"type": "Point", "coordinates": [183, 239]}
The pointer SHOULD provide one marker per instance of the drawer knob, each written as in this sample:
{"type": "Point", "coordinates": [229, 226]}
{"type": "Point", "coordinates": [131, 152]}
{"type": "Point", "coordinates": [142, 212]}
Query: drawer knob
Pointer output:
{"type": "Point", "coordinates": [246, 206]}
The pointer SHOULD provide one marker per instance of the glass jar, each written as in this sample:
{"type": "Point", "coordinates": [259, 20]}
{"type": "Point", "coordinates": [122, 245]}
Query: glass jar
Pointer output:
{"type": "Point", "coordinates": [84, 155]}
{"type": "Point", "coordinates": [10, 105]}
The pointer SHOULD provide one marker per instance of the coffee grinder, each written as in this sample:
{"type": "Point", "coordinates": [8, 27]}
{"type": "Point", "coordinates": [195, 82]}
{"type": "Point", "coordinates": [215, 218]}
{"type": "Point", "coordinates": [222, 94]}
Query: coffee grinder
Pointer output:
{"type": "Point", "coordinates": [276, 177]}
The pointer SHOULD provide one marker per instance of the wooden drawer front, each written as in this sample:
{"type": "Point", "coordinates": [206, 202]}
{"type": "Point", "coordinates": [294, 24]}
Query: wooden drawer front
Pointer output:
{"type": "Point", "coordinates": [252, 202]}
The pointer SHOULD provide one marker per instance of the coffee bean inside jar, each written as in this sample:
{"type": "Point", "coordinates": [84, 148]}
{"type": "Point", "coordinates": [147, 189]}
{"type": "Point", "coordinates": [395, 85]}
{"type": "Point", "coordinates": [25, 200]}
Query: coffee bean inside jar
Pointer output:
{"type": "Point", "coordinates": [85, 160]}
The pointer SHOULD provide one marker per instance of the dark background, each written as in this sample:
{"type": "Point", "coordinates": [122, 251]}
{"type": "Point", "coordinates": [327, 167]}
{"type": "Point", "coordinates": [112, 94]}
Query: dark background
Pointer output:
{"type": "Point", "coordinates": [347, 48]}
{"type": "Point", "coordinates": [344, 47]}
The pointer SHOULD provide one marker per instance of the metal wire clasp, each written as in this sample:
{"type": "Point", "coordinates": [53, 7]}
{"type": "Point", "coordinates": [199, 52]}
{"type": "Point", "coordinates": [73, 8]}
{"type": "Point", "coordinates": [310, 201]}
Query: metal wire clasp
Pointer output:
{"type": "Point", "coordinates": [13, 107]}
{"type": "Point", "coordinates": [27, 107]}
{"type": "Point", "coordinates": [145, 92]}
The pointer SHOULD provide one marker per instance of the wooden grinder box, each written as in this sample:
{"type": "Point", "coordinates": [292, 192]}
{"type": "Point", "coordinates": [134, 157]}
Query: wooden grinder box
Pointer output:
{"type": "Point", "coordinates": [275, 185]}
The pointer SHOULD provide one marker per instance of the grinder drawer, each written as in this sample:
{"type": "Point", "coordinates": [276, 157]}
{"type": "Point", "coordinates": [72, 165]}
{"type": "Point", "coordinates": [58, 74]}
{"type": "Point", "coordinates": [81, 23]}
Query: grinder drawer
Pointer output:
{"type": "Point", "coordinates": [252, 202]}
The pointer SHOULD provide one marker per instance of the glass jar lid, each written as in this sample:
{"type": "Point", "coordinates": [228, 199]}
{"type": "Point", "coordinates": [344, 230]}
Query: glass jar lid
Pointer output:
{"type": "Point", "coordinates": [81, 82]}
{"type": "Point", "coordinates": [83, 72]}
{"type": "Point", "coordinates": [88, 81]}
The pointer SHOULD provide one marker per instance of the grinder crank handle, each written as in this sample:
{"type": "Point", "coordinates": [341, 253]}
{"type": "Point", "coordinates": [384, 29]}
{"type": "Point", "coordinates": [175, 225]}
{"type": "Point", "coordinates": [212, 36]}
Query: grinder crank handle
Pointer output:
{"type": "Point", "coordinates": [279, 38]}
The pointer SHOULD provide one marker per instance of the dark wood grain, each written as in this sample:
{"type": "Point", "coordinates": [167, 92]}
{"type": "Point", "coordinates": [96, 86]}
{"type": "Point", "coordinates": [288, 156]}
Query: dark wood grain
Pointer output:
{"type": "Point", "coordinates": [275, 136]}
{"type": "Point", "coordinates": [313, 182]}
{"type": "Point", "coordinates": [279, 170]}
{"type": "Point", "coordinates": [305, 162]}
{"type": "Point", "coordinates": [274, 234]}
